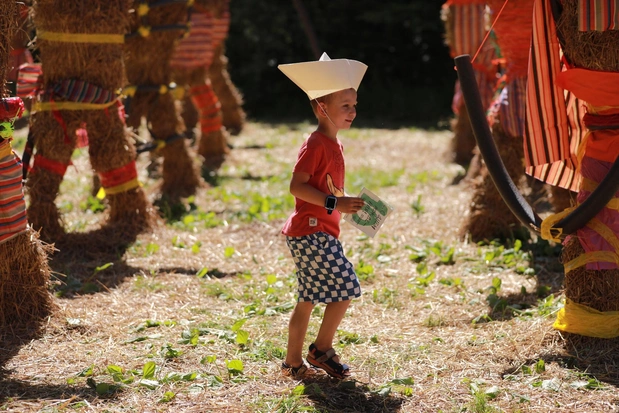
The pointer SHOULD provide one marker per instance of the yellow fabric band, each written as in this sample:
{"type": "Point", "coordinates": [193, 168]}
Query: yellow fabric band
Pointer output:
{"type": "Point", "coordinates": [549, 222]}
{"type": "Point", "coordinates": [134, 183]}
{"type": "Point", "coordinates": [81, 37]}
{"type": "Point", "coordinates": [591, 257]}
{"type": "Point", "coordinates": [586, 321]}
{"type": "Point", "coordinates": [5, 151]}
{"type": "Point", "coordinates": [47, 106]}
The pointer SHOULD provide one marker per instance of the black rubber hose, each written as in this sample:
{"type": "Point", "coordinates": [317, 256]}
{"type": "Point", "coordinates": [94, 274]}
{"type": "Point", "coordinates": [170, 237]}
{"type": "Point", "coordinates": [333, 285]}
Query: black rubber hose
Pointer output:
{"type": "Point", "coordinates": [477, 114]}
{"type": "Point", "coordinates": [576, 219]}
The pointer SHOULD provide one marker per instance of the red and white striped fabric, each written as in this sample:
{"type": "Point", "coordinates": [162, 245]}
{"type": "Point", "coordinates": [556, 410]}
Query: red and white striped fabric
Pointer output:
{"type": "Point", "coordinates": [221, 28]}
{"type": "Point", "coordinates": [553, 116]}
{"type": "Point", "coordinates": [469, 30]}
{"type": "Point", "coordinates": [13, 218]}
{"type": "Point", "coordinates": [196, 50]}
{"type": "Point", "coordinates": [29, 79]}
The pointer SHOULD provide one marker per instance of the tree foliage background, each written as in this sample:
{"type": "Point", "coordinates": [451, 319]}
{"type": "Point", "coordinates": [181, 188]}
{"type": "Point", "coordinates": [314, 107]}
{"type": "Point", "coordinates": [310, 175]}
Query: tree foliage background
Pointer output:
{"type": "Point", "coordinates": [410, 75]}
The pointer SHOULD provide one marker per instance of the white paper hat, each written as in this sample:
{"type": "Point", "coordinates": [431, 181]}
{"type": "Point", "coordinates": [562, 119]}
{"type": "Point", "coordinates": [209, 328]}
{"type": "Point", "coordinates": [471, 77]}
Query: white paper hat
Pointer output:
{"type": "Point", "coordinates": [324, 76]}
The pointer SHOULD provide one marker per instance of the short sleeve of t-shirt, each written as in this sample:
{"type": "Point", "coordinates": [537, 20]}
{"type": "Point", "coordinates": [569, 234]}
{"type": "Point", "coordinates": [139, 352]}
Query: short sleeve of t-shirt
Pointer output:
{"type": "Point", "coordinates": [309, 156]}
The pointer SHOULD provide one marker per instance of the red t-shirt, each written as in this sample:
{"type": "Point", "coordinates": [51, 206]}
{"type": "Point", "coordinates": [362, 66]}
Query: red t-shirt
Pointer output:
{"type": "Point", "coordinates": [323, 159]}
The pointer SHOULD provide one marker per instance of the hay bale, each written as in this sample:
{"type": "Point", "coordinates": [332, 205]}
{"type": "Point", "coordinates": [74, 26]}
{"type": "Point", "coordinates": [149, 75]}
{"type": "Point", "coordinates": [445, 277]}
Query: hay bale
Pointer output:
{"type": "Point", "coordinates": [463, 142]}
{"type": "Point", "coordinates": [100, 64]}
{"type": "Point", "coordinates": [25, 299]}
{"type": "Point", "coordinates": [597, 289]}
{"type": "Point", "coordinates": [148, 63]}
{"type": "Point", "coordinates": [489, 217]}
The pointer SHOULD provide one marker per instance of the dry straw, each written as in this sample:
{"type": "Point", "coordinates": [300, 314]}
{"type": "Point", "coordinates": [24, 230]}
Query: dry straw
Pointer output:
{"type": "Point", "coordinates": [148, 64]}
{"type": "Point", "coordinates": [101, 64]}
{"type": "Point", "coordinates": [488, 216]}
{"type": "Point", "coordinates": [24, 272]}
{"type": "Point", "coordinates": [229, 96]}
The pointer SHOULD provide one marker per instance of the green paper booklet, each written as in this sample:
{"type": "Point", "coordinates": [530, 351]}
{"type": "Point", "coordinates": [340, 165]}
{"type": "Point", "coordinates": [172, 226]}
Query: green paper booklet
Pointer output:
{"type": "Point", "coordinates": [372, 216]}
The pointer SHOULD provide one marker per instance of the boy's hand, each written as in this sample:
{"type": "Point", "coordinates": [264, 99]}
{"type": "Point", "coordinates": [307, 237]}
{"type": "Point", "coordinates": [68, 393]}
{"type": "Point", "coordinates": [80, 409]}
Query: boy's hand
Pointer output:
{"type": "Point", "coordinates": [349, 204]}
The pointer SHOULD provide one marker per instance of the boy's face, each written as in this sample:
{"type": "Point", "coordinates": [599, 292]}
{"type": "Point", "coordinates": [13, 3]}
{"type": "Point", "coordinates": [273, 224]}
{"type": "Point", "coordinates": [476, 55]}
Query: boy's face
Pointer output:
{"type": "Point", "coordinates": [342, 108]}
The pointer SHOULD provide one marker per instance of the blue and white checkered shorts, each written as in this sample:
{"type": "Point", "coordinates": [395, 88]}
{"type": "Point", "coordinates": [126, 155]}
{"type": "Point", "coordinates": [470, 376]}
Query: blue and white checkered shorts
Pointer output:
{"type": "Point", "coordinates": [325, 275]}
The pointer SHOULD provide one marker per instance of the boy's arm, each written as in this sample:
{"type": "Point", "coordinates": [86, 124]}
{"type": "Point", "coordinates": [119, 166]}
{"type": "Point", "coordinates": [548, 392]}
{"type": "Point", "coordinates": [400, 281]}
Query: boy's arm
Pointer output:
{"type": "Point", "coordinates": [300, 188]}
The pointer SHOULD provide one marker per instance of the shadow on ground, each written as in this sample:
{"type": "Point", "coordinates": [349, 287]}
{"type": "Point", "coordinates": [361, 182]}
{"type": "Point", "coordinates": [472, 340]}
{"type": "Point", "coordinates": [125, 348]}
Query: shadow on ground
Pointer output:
{"type": "Point", "coordinates": [331, 395]}
{"type": "Point", "coordinates": [17, 391]}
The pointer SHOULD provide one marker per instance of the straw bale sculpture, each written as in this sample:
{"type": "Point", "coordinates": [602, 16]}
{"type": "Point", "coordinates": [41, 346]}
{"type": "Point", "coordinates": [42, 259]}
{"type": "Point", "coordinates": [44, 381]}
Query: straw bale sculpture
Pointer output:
{"type": "Point", "coordinates": [488, 216]}
{"type": "Point", "coordinates": [190, 63]}
{"type": "Point", "coordinates": [25, 300]}
{"type": "Point", "coordinates": [156, 28]}
{"type": "Point", "coordinates": [465, 30]}
{"type": "Point", "coordinates": [80, 45]}
{"type": "Point", "coordinates": [587, 32]}
{"type": "Point", "coordinates": [19, 50]}
{"type": "Point", "coordinates": [229, 96]}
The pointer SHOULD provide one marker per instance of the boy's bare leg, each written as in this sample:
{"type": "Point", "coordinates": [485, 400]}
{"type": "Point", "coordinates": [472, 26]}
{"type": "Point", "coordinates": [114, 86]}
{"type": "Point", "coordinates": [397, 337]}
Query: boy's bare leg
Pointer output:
{"type": "Point", "coordinates": [297, 328]}
{"type": "Point", "coordinates": [334, 313]}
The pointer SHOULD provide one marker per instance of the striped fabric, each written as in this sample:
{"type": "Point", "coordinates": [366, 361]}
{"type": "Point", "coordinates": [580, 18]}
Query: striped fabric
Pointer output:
{"type": "Point", "coordinates": [196, 50]}
{"type": "Point", "coordinates": [28, 79]}
{"type": "Point", "coordinates": [509, 107]}
{"type": "Point", "coordinates": [553, 130]}
{"type": "Point", "coordinates": [221, 28]}
{"type": "Point", "coordinates": [467, 27]}
{"type": "Point", "coordinates": [12, 203]}
{"type": "Point", "coordinates": [598, 15]}
{"type": "Point", "coordinates": [74, 90]}
{"type": "Point", "coordinates": [209, 107]}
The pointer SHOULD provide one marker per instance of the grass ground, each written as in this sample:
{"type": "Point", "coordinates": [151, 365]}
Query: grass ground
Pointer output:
{"type": "Point", "coordinates": [193, 316]}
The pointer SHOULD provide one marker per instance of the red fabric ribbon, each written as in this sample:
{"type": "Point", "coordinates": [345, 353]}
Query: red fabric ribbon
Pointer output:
{"type": "Point", "coordinates": [48, 164]}
{"type": "Point", "coordinates": [118, 176]}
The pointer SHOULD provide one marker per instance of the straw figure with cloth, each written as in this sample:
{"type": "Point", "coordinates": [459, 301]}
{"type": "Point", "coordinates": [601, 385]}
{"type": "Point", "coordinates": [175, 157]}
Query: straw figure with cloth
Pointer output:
{"type": "Point", "coordinates": [190, 62]}
{"type": "Point", "coordinates": [231, 100]}
{"type": "Point", "coordinates": [465, 29]}
{"type": "Point", "coordinates": [77, 104]}
{"type": "Point", "coordinates": [488, 216]}
{"type": "Point", "coordinates": [156, 27]}
{"type": "Point", "coordinates": [25, 300]}
{"type": "Point", "coordinates": [19, 50]}
{"type": "Point", "coordinates": [587, 34]}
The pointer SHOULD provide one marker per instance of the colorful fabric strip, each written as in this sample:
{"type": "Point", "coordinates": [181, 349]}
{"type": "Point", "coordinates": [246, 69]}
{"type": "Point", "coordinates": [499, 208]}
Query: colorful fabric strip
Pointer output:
{"type": "Point", "coordinates": [467, 21]}
{"type": "Point", "coordinates": [196, 50]}
{"type": "Point", "coordinates": [509, 109]}
{"type": "Point", "coordinates": [41, 162]}
{"type": "Point", "coordinates": [118, 176]}
{"type": "Point", "coordinates": [13, 218]}
{"type": "Point", "coordinates": [598, 15]}
{"type": "Point", "coordinates": [579, 319]}
{"type": "Point", "coordinates": [29, 79]}
{"type": "Point", "coordinates": [75, 90]}
{"type": "Point", "coordinates": [127, 186]}
{"type": "Point", "coordinates": [81, 37]}
{"type": "Point", "coordinates": [553, 131]}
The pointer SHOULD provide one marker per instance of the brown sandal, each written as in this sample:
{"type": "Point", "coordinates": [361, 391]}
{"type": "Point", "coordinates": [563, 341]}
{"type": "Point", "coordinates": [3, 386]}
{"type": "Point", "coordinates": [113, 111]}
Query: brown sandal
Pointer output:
{"type": "Point", "coordinates": [297, 372]}
{"type": "Point", "coordinates": [324, 360]}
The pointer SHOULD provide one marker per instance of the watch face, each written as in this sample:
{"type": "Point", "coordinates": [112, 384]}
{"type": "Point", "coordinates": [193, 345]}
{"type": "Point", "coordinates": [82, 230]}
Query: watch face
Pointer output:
{"type": "Point", "coordinates": [330, 202]}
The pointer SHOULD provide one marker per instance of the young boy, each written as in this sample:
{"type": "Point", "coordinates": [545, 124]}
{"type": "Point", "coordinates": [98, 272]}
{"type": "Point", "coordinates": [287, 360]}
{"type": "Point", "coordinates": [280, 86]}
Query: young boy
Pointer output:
{"type": "Point", "coordinates": [323, 272]}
